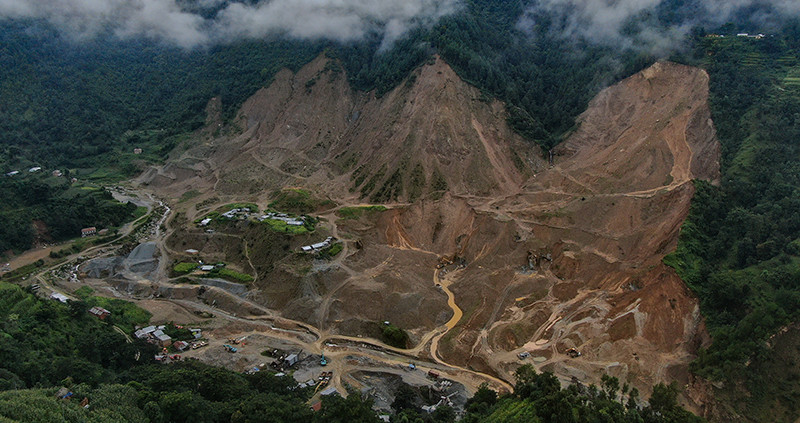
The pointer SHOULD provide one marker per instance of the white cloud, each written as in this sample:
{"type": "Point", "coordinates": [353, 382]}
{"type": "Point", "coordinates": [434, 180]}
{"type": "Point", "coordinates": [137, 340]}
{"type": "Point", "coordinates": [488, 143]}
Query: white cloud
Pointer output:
{"type": "Point", "coordinates": [609, 21]}
{"type": "Point", "coordinates": [342, 20]}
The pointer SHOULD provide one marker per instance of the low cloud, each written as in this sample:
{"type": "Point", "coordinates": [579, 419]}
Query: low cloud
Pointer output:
{"type": "Point", "coordinates": [180, 21]}
{"type": "Point", "coordinates": [640, 24]}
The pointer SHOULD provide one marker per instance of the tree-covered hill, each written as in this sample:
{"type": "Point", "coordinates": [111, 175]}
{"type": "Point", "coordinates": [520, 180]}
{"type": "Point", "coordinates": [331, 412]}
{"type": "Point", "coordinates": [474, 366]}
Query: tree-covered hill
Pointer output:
{"type": "Point", "coordinates": [61, 207]}
{"type": "Point", "coordinates": [739, 251]}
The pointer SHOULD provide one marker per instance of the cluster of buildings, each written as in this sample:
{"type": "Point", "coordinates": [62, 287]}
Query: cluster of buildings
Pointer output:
{"type": "Point", "coordinates": [237, 213]}
{"type": "Point", "coordinates": [318, 246]}
{"type": "Point", "coordinates": [741, 34]}
{"type": "Point", "coordinates": [57, 173]}
{"type": "Point", "coordinates": [291, 221]}
{"type": "Point", "coordinates": [156, 335]}
{"type": "Point", "coordinates": [92, 230]}
{"type": "Point", "coordinates": [34, 169]}
{"type": "Point", "coordinates": [31, 170]}
{"type": "Point", "coordinates": [242, 213]}
{"type": "Point", "coordinates": [756, 36]}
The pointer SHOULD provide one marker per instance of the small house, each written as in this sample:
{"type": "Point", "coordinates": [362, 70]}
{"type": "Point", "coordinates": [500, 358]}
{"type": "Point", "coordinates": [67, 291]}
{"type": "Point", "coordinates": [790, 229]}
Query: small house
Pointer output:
{"type": "Point", "coordinates": [59, 297]}
{"type": "Point", "coordinates": [102, 232]}
{"type": "Point", "coordinates": [192, 251]}
{"type": "Point", "coordinates": [291, 359]}
{"type": "Point", "coordinates": [307, 249]}
{"type": "Point", "coordinates": [57, 173]}
{"type": "Point", "coordinates": [205, 221]}
{"type": "Point", "coordinates": [180, 345]}
{"type": "Point", "coordinates": [207, 267]}
{"type": "Point", "coordinates": [162, 338]}
{"type": "Point", "coordinates": [99, 312]}
{"type": "Point", "coordinates": [88, 232]}
{"type": "Point", "coordinates": [331, 390]}
{"type": "Point", "coordinates": [34, 169]}
{"type": "Point", "coordinates": [137, 151]}
{"type": "Point", "coordinates": [12, 173]}
{"type": "Point", "coordinates": [144, 332]}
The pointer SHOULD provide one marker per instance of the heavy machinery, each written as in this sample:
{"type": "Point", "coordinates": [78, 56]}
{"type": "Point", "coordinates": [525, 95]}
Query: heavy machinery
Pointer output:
{"type": "Point", "coordinates": [230, 348]}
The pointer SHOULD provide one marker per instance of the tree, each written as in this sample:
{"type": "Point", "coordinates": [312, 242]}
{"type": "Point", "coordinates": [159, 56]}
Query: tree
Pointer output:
{"type": "Point", "coordinates": [352, 409]}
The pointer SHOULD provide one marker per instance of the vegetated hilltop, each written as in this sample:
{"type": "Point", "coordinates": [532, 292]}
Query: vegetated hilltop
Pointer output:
{"type": "Point", "coordinates": [739, 248]}
{"type": "Point", "coordinates": [541, 259]}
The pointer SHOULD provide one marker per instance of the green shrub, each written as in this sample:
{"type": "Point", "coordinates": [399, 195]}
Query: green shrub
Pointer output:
{"type": "Point", "coordinates": [395, 336]}
{"type": "Point", "coordinates": [184, 268]}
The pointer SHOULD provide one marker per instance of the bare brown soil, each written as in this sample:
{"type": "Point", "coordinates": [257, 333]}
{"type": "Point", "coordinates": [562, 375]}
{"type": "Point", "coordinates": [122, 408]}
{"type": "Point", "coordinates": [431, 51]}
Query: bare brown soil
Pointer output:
{"type": "Point", "coordinates": [596, 224]}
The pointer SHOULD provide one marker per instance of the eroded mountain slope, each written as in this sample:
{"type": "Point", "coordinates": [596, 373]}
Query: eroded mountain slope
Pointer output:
{"type": "Point", "coordinates": [539, 258]}
{"type": "Point", "coordinates": [431, 134]}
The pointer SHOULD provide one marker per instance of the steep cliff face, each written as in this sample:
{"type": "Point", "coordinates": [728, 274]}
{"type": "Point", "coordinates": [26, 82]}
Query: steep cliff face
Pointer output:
{"type": "Point", "coordinates": [541, 258]}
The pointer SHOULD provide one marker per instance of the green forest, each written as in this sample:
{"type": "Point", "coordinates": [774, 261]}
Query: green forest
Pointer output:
{"type": "Point", "coordinates": [739, 249]}
{"type": "Point", "coordinates": [61, 206]}
{"type": "Point", "coordinates": [47, 345]}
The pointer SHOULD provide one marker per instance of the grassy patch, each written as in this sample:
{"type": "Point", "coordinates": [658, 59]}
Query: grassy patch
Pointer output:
{"type": "Point", "coordinates": [281, 226]}
{"type": "Point", "coordinates": [139, 212]}
{"type": "Point", "coordinates": [83, 292]}
{"type": "Point", "coordinates": [184, 268]}
{"type": "Point", "coordinates": [231, 275]}
{"type": "Point", "coordinates": [332, 251]}
{"type": "Point", "coordinates": [335, 249]}
{"type": "Point", "coordinates": [124, 314]}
